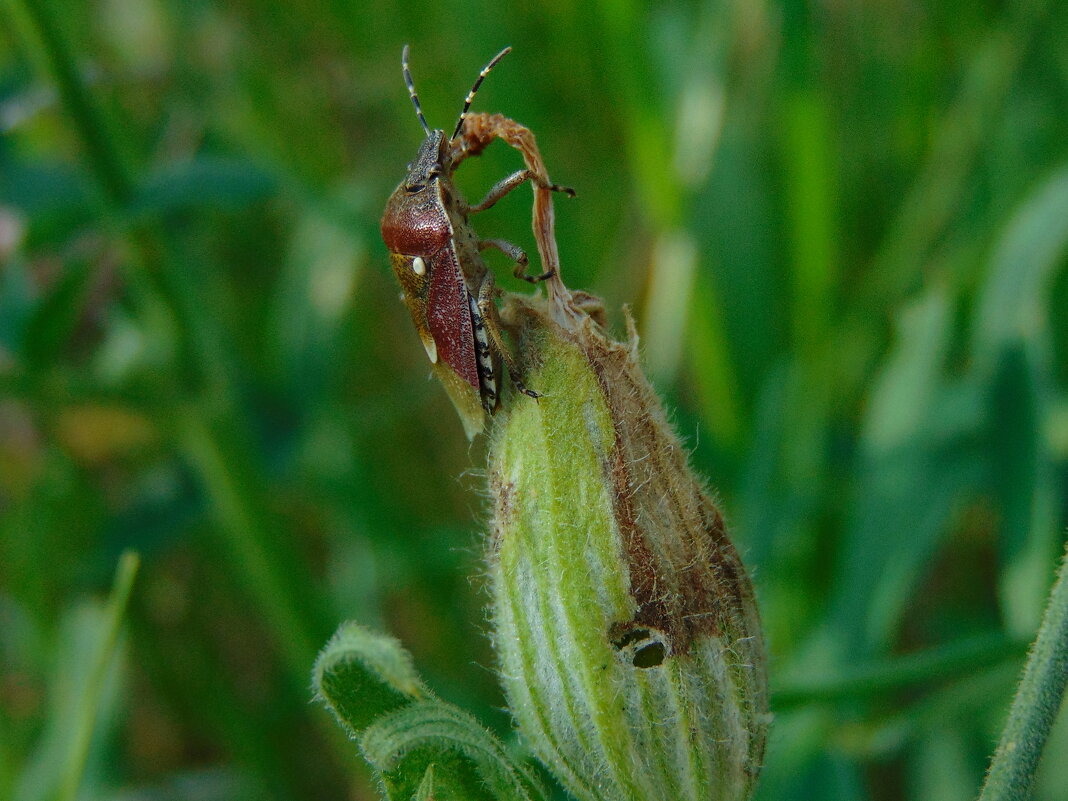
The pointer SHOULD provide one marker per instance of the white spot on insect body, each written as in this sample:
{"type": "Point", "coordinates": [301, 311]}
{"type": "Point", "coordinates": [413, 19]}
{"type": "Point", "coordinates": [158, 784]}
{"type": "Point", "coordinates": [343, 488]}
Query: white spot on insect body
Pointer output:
{"type": "Point", "coordinates": [419, 267]}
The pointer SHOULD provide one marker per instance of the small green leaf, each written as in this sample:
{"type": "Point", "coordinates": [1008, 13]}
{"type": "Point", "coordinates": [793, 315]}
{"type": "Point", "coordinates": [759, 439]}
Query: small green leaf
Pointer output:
{"type": "Point", "coordinates": [361, 675]}
{"type": "Point", "coordinates": [420, 746]}
{"type": "Point", "coordinates": [427, 791]}
{"type": "Point", "coordinates": [467, 758]}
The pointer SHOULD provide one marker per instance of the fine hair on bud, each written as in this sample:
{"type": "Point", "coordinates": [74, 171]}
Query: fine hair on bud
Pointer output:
{"type": "Point", "coordinates": [626, 626]}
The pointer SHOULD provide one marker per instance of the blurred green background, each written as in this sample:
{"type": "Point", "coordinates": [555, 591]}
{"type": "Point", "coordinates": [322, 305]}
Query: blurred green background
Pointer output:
{"type": "Point", "coordinates": [842, 228]}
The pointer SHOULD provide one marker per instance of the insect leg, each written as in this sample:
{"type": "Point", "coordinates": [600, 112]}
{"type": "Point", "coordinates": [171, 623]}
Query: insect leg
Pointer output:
{"type": "Point", "coordinates": [514, 252]}
{"type": "Point", "coordinates": [506, 185]}
{"type": "Point", "coordinates": [500, 189]}
{"type": "Point", "coordinates": [518, 256]}
{"type": "Point", "coordinates": [477, 132]}
{"type": "Point", "coordinates": [492, 320]}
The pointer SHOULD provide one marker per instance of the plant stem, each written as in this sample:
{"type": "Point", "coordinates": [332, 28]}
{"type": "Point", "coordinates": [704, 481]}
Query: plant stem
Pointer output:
{"type": "Point", "coordinates": [1034, 709]}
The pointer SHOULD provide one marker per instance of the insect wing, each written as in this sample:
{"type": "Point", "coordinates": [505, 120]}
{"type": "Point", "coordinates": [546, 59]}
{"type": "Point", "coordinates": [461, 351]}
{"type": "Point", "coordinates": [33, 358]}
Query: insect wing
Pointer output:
{"type": "Point", "coordinates": [464, 395]}
{"type": "Point", "coordinates": [449, 316]}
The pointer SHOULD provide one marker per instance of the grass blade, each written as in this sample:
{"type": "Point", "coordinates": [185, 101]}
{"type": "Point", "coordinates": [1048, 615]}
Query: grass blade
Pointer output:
{"type": "Point", "coordinates": [85, 720]}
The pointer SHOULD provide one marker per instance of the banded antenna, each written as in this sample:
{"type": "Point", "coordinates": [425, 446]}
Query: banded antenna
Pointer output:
{"type": "Point", "coordinates": [411, 90]}
{"type": "Point", "coordinates": [470, 95]}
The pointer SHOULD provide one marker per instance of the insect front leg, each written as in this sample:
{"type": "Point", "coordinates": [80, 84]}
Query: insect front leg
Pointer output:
{"type": "Point", "coordinates": [506, 185]}
{"type": "Point", "coordinates": [476, 133]}
{"type": "Point", "coordinates": [487, 293]}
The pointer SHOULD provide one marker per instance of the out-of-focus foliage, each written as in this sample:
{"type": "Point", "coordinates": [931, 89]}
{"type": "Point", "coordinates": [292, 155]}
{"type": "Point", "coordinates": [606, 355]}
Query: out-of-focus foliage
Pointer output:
{"type": "Point", "coordinates": [842, 227]}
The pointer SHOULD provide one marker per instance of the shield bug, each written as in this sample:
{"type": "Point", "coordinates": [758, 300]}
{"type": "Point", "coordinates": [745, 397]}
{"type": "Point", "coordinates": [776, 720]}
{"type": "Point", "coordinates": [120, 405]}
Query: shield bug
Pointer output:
{"type": "Point", "coordinates": [436, 255]}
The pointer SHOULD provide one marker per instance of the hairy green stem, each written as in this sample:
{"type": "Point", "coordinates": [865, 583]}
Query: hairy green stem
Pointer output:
{"type": "Point", "coordinates": [1034, 709]}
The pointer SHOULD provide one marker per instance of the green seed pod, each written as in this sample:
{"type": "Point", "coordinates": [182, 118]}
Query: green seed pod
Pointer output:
{"type": "Point", "coordinates": [628, 635]}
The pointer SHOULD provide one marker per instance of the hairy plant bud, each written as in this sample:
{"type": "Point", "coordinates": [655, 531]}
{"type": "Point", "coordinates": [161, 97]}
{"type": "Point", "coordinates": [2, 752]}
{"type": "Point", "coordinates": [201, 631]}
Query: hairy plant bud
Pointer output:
{"type": "Point", "coordinates": [628, 635]}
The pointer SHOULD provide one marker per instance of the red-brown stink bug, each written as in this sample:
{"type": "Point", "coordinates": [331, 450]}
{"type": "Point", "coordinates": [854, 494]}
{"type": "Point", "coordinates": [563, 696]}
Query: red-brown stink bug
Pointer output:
{"type": "Point", "coordinates": [435, 254]}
